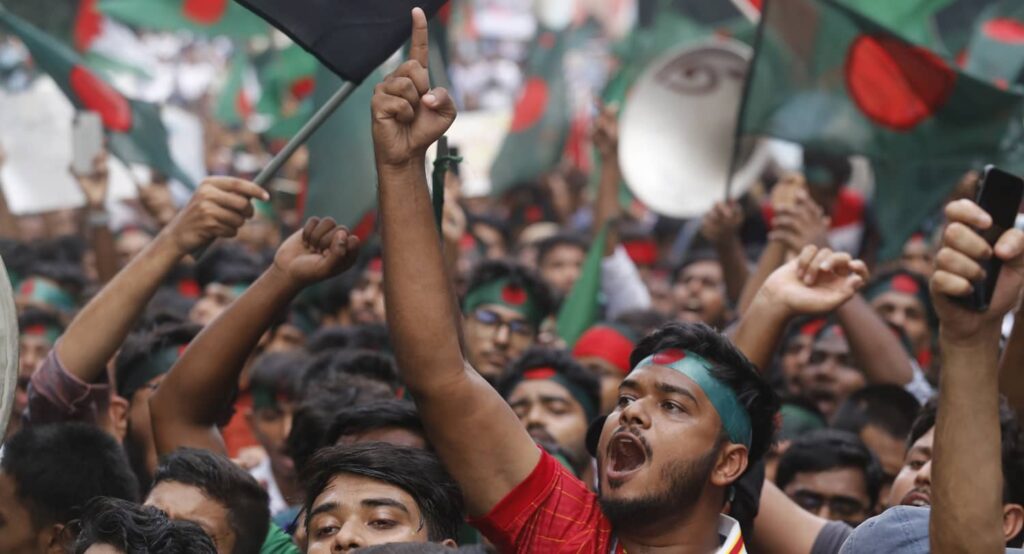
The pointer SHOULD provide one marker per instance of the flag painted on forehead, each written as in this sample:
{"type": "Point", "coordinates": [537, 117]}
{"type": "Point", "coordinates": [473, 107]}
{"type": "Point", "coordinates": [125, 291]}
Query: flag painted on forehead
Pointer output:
{"type": "Point", "coordinates": [134, 129]}
{"type": "Point", "coordinates": [351, 38]}
{"type": "Point", "coordinates": [205, 17]}
{"type": "Point", "coordinates": [828, 77]}
{"type": "Point", "coordinates": [996, 50]}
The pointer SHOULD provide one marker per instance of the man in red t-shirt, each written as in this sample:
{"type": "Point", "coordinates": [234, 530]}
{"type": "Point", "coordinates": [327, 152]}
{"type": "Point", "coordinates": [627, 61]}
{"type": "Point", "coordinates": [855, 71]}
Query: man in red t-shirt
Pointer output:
{"type": "Point", "coordinates": [692, 415]}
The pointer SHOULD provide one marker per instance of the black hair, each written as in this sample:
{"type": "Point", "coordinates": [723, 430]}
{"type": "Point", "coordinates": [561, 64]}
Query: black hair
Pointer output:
{"type": "Point", "coordinates": [311, 422]}
{"type": "Point", "coordinates": [641, 322]}
{"type": "Point", "coordinates": [694, 256]}
{"type": "Point", "coordinates": [559, 360]}
{"type": "Point", "coordinates": [338, 369]}
{"type": "Point", "coordinates": [131, 528]}
{"type": "Point", "coordinates": [228, 264]}
{"type": "Point", "coordinates": [828, 449]}
{"type": "Point", "coordinates": [382, 414]}
{"type": "Point", "coordinates": [729, 366]}
{"type": "Point", "coordinates": [17, 256]}
{"type": "Point", "coordinates": [889, 407]}
{"type": "Point", "coordinates": [66, 274]}
{"type": "Point", "coordinates": [167, 305]}
{"type": "Point", "coordinates": [489, 271]}
{"type": "Point", "coordinates": [221, 480]}
{"type": "Point", "coordinates": [545, 246]}
{"type": "Point", "coordinates": [279, 372]}
{"type": "Point", "coordinates": [32, 316]}
{"type": "Point", "coordinates": [371, 336]}
{"type": "Point", "coordinates": [415, 471]}
{"type": "Point", "coordinates": [333, 337]}
{"type": "Point", "coordinates": [838, 166]}
{"type": "Point", "coordinates": [58, 468]}
{"type": "Point", "coordinates": [335, 294]}
{"type": "Point", "coordinates": [142, 344]}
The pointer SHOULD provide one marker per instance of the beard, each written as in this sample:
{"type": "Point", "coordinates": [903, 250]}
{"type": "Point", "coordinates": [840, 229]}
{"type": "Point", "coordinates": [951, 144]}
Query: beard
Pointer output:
{"type": "Point", "coordinates": [686, 481]}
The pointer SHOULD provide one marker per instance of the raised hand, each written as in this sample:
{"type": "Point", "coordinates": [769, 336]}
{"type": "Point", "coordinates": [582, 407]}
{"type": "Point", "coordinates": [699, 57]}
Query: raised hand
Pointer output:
{"type": "Point", "coordinates": [95, 184]}
{"type": "Point", "coordinates": [800, 222]}
{"type": "Point", "coordinates": [606, 132]}
{"type": "Point", "coordinates": [816, 282]}
{"type": "Point", "coordinates": [723, 222]}
{"type": "Point", "coordinates": [322, 249]}
{"type": "Point", "coordinates": [217, 209]}
{"type": "Point", "coordinates": [958, 264]}
{"type": "Point", "coordinates": [409, 116]}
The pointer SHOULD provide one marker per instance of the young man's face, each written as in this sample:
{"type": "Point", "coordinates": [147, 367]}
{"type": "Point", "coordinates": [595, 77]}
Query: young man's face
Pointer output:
{"type": "Point", "coordinates": [551, 414]}
{"type": "Point", "coordinates": [917, 257]}
{"type": "Point", "coordinates": [793, 360]}
{"type": "Point", "coordinates": [699, 294]}
{"type": "Point", "coordinates": [561, 267]}
{"type": "Point", "coordinates": [659, 448]}
{"type": "Point", "coordinates": [188, 503]}
{"type": "Point", "coordinates": [888, 449]}
{"type": "Point", "coordinates": [913, 485]}
{"type": "Point", "coordinates": [611, 377]}
{"type": "Point", "coordinates": [32, 350]}
{"type": "Point", "coordinates": [216, 298]}
{"type": "Point", "coordinates": [495, 335]}
{"type": "Point", "coordinates": [355, 512]}
{"type": "Point", "coordinates": [271, 426]}
{"type": "Point", "coordinates": [366, 301]}
{"type": "Point", "coordinates": [17, 533]}
{"type": "Point", "coordinates": [838, 494]}
{"type": "Point", "coordinates": [906, 312]}
{"type": "Point", "coordinates": [830, 375]}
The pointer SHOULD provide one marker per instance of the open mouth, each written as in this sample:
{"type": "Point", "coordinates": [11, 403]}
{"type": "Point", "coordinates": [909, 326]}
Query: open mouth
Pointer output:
{"type": "Point", "coordinates": [918, 498]}
{"type": "Point", "coordinates": [626, 455]}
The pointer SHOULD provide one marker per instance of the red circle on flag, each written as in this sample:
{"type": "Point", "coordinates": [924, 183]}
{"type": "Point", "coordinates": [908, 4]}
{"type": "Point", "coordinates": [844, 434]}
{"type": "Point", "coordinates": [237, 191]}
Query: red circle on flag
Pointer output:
{"type": "Point", "coordinates": [99, 97]}
{"type": "Point", "coordinates": [1004, 29]}
{"type": "Point", "coordinates": [302, 87]}
{"type": "Point", "coordinates": [531, 106]}
{"type": "Point", "coordinates": [895, 84]}
{"type": "Point", "coordinates": [204, 12]}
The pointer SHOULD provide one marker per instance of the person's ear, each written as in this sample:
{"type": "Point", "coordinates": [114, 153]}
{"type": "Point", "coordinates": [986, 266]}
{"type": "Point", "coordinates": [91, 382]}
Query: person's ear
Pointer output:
{"type": "Point", "coordinates": [732, 462]}
{"type": "Point", "coordinates": [53, 540]}
{"type": "Point", "coordinates": [1013, 520]}
{"type": "Point", "coordinates": [117, 411]}
{"type": "Point", "coordinates": [450, 543]}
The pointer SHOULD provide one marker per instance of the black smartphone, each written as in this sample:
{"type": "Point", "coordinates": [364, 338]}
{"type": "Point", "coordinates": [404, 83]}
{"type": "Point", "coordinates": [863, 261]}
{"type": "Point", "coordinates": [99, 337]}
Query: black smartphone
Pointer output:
{"type": "Point", "coordinates": [1000, 195]}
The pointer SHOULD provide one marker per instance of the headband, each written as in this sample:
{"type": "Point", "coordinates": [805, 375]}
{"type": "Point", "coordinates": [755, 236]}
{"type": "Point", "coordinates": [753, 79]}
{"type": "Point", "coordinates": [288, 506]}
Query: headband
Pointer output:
{"type": "Point", "coordinates": [901, 282]}
{"type": "Point", "coordinates": [550, 374]}
{"type": "Point", "coordinates": [43, 291]}
{"type": "Point", "coordinates": [734, 416]}
{"type": "Point", "coordinates": [505, 293]}
{"type": "Point", "coordinates": [49, 332]}
{"type": "Point", "coordinates": [135, 376]}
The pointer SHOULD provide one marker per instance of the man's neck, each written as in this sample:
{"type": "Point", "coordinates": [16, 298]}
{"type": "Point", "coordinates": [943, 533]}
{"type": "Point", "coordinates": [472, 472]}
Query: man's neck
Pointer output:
{"type": "Point", "coordinates": [694, 533]}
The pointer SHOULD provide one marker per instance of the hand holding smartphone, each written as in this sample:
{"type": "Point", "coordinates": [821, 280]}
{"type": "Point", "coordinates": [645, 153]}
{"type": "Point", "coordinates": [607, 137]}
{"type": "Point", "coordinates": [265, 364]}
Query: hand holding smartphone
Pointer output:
{"type": "Point", "coordinates": [86, 142]}
{"type": "Point", "coordinates": [999, 194]}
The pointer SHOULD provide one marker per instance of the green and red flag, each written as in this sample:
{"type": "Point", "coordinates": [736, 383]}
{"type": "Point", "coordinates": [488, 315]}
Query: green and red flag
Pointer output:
{"type": "Point", "coordinates": [996, 51]}
{"type": "Point", "coordinates": [342, 172]}
{"type": "Point", "coordinates": [237, 98]}
{"type": "Point", "coordinates": [204, 17]}
{"type": "Point", "coordinates": [134, 129]}
{"type": "Point", "coordinates": [582, 308]}
{"type": "Point", "coordinates": [827, 77]}
{"type": "Point", "coordinates": [288, 80]}
{"type": "Point", "coordinates": [540, 119]}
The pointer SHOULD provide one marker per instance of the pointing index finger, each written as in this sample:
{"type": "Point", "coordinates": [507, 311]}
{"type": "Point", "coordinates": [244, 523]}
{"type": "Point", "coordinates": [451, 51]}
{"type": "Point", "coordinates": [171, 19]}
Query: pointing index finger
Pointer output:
{"type": "Point", "coordinates": [419, 48]}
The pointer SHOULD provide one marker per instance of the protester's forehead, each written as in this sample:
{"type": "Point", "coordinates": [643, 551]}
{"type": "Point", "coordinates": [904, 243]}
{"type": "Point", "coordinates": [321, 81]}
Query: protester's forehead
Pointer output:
{"type": "Point", "coordinates": [187, 502]}
{"type": "Point", "coordinates": [899, 299]}
{"type": "Point", "coordinates": [540, 389]}
{"type": "Point", "coordinates": [925, 441]}
{"type": "Point", "coordinates": [659, 379]}
{"type": "Point", "coordinates": [349, 492]}
{"type": "Point", "coordinates": [701, 268]}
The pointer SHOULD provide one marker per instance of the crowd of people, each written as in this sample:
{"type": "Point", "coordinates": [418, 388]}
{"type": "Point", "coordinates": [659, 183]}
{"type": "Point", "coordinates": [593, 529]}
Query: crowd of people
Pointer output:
{"type": "Point", "coordinates": [764, 386]}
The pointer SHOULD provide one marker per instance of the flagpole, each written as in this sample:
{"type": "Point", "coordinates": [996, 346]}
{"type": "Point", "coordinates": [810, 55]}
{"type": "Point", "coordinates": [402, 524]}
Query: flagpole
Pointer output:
{"type": "Point", "coordinates": [263, 178]}
{"type": "Point", "coordinates": [307, 130]}
{"type": "Point", "coordinates": [735, 156]}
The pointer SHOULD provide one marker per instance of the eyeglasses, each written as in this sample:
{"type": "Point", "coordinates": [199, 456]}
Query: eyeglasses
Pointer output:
{"type": "Point", "coordinates": [838, 506]}
{"type": "Point", "coordinates": [493, 321]}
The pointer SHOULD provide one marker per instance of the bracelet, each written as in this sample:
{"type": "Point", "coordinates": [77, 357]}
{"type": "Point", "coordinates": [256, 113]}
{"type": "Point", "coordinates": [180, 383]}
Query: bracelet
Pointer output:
{"type": "Point", "coordinates": [98, 219]}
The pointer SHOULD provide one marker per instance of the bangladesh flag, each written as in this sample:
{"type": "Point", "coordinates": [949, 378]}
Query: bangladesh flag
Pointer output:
{"type": "Point", "coordinates": [996, 51]}
{"type": "Point", "coordinates": [540, 120]}
{"type": "Point", "coordinates": [829, 78]}
{"type": "Point", "coordinates": [204, 17]}
{"type": "Point", "coordinates": [237, 98]}
{"type": "Point", "coordinates": [582, 308]}
{"type": "Point", "coordinates": [342, 173]}
{"type": "Point", "coordinates": [288, 80]}
{"type": "Point", "coordinates": [134, 129]}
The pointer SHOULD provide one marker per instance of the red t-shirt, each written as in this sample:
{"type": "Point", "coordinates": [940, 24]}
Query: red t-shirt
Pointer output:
{"type": "Point", "coordinates": [553, 511]}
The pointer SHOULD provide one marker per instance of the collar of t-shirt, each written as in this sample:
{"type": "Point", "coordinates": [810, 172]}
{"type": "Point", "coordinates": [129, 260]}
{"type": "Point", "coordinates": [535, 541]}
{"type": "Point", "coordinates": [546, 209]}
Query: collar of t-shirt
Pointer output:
{"type": "Point", "coordinates": [728, 533]}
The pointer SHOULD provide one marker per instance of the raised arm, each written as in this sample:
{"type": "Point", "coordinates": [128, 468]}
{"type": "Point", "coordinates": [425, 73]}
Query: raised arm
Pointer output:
{"type": "Point", "coordinates": [95, 186]}
{"type": "Point", "coordinates": [967, 473]}
{"type": "Point", "coordinates": [722, 229]}
{"type": "Point", "coordinates": [488, 460]}
{"type": "Point", "coordinates": [875, 347]}
{"type": "Point", "coordinates": [191, 400]}
{"type": "Point", "coordinates": [816, 282]}
{"type": "Point", "coordinates": [217, 209]}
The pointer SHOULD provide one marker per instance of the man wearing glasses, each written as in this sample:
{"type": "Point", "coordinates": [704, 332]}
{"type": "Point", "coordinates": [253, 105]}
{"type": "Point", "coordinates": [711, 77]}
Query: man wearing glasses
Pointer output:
{"type": "Point", "coordinates": [503, 309]}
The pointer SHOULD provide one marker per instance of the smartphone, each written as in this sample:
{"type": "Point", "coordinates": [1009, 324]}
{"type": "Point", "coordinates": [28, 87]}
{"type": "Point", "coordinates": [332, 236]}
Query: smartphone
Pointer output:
{"type": "Point", "coordinates": [999, 194]}
{"type": "Point", "coordinates": [86, 141]}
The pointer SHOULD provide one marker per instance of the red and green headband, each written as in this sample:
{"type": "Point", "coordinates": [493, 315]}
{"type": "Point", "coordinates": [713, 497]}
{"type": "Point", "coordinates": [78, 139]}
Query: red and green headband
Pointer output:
{"type": "Point", "coordinates": [505, 293]}
{"type": "Point", "coordinates": [550, 374]}
{"type": "Point", "coordinates": [45, 292]}
{"type": "Point", "coordinates": [49, 332]}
